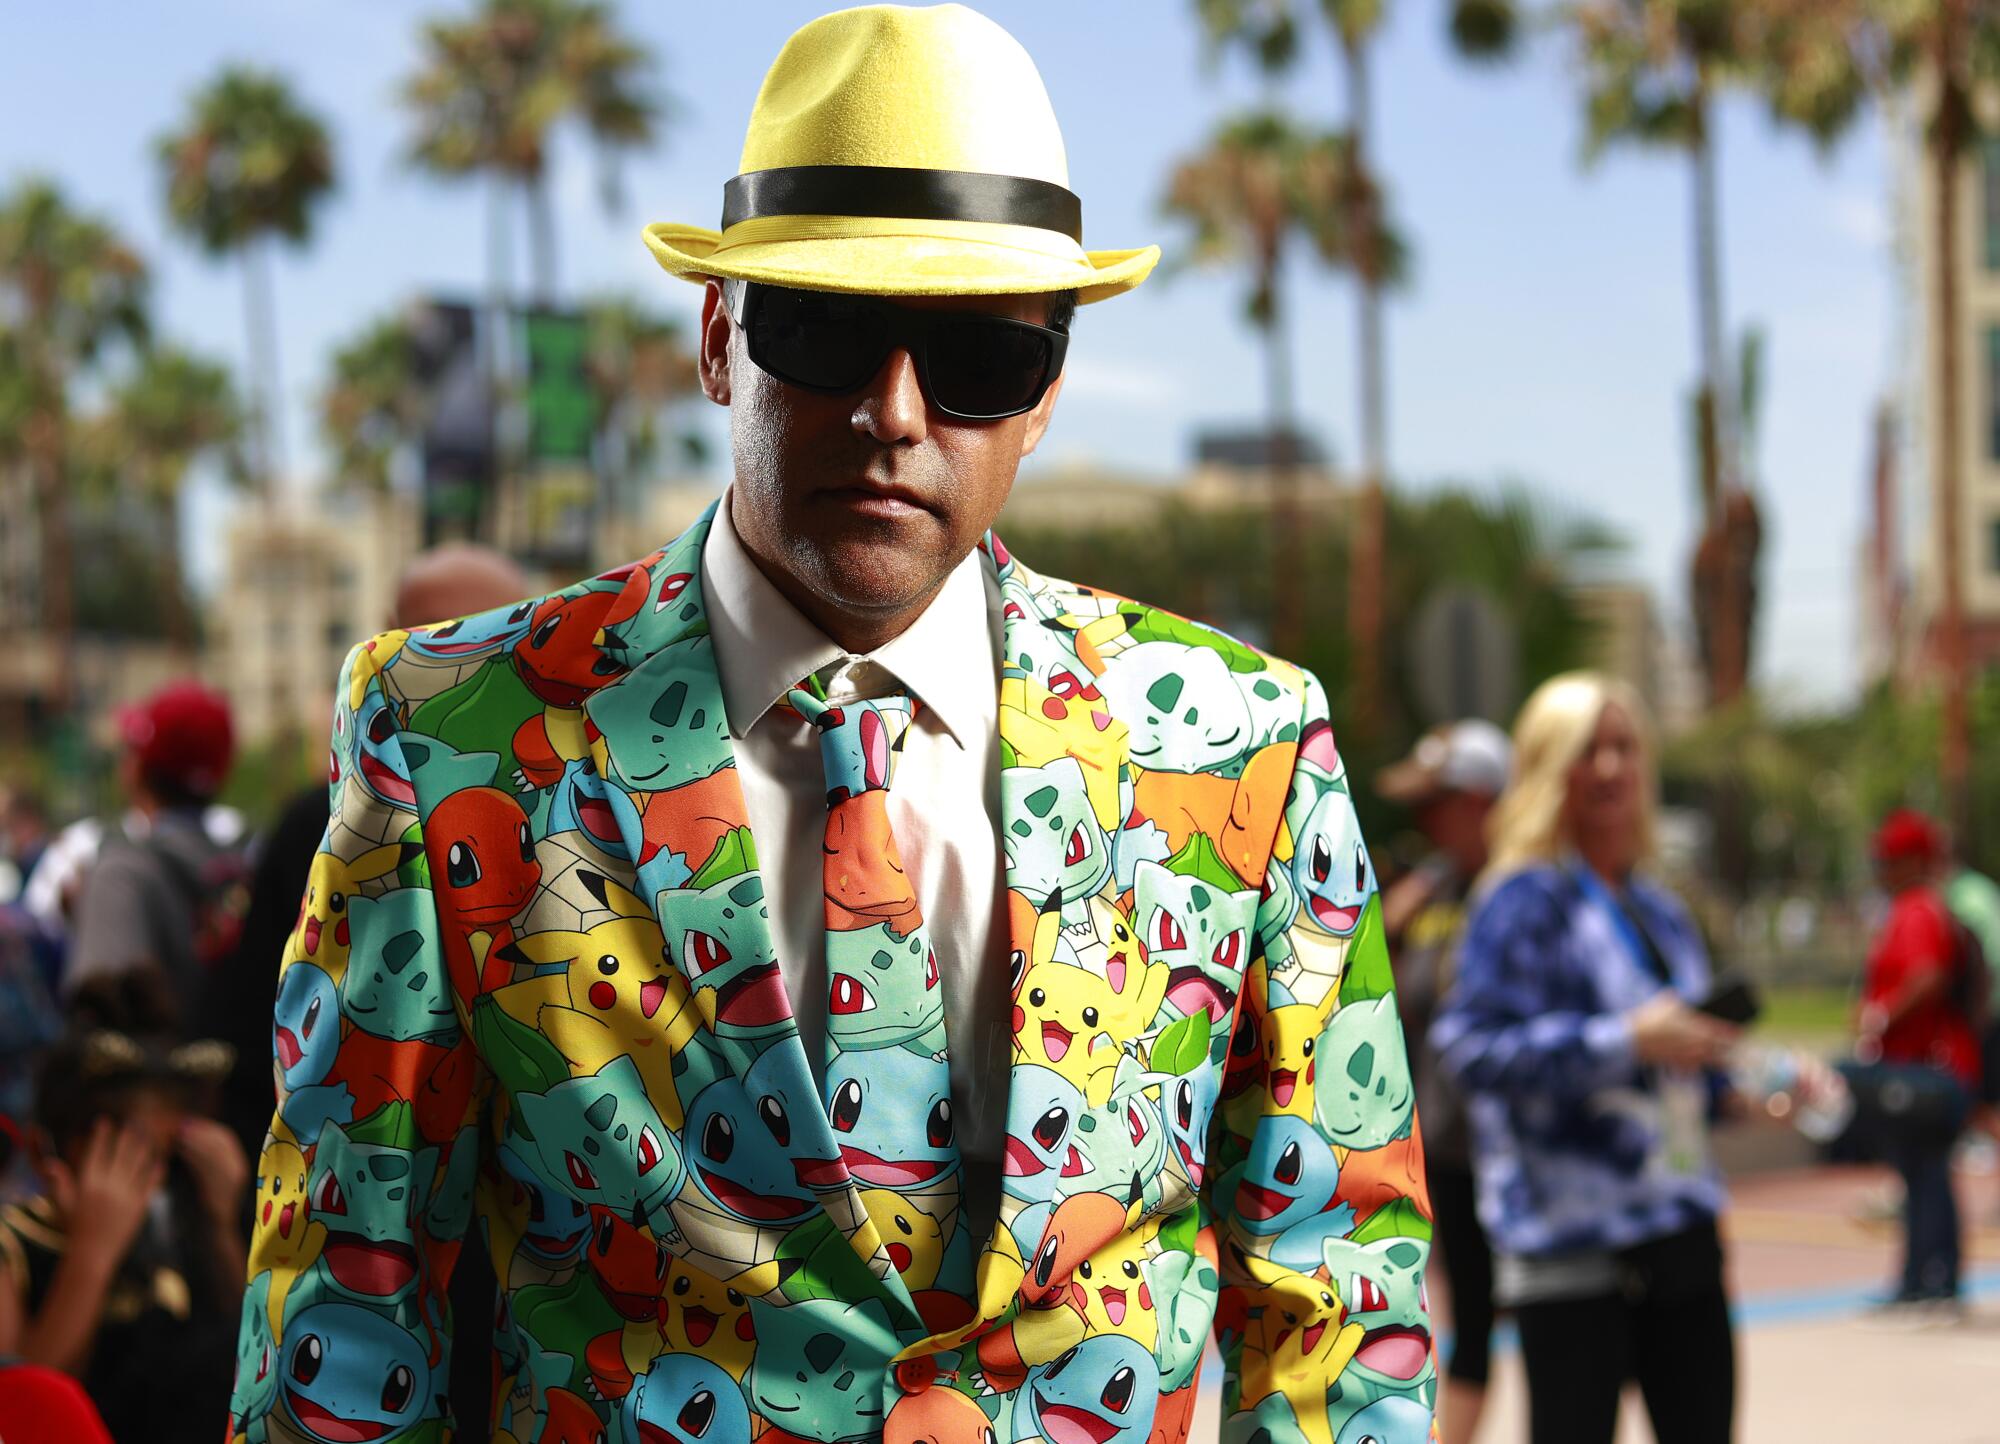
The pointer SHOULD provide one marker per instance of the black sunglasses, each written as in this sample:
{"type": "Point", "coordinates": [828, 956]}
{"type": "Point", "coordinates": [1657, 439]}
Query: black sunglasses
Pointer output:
{"type": "Point", "coordinates": [973, 367]}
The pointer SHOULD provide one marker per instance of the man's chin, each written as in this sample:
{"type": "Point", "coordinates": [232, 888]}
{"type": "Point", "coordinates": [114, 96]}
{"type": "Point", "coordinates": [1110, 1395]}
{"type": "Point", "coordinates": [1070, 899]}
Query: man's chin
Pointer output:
{"type": "Point", "coordinates": [865, 570]}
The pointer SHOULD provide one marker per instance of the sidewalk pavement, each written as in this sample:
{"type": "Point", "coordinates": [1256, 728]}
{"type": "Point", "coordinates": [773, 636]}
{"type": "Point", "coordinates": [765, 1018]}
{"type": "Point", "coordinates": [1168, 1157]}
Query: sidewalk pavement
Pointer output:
{"type": "Point", "coordinates": [1808, 1248]}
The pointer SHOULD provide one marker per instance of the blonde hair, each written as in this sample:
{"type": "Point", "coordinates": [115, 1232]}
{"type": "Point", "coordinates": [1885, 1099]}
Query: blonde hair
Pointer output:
{"type": "Point", "coordinates": [1529, 824]}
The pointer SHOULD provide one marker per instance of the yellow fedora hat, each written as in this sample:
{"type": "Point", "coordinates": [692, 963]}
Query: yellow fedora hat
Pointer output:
{"type": "Point", "coordinates": [902, 151]}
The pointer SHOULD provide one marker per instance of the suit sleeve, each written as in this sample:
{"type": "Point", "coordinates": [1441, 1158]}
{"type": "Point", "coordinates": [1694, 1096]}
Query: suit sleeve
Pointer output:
{"type": "Point", "coordinates": [364, 1184]}
{"type": "Point", "coordinates": [1507, 1026]}
{"type": "Point", "coordinates": [1322, 1219]}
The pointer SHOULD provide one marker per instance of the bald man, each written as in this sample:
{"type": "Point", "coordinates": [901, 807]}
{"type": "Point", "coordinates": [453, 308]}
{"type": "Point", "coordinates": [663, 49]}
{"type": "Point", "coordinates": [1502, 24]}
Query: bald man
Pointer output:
{"type": "Point", "coordinates": [454, 580]}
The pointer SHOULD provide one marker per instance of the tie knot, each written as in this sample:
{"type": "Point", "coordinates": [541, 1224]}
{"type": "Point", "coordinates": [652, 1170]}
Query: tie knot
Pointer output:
{"type": "Point", "coordinates": [860, 738]}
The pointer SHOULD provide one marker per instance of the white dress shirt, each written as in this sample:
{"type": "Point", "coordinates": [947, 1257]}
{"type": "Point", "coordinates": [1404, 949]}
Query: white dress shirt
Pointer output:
{"type": "Point", "coordinates": [944, 805]}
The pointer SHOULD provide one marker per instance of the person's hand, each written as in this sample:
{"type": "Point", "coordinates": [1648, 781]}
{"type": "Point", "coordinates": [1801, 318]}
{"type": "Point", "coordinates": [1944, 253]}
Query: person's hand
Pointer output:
{"type": "Point", "coordinates": [1667, 1031]}
{"type": "Point", "coordinates": [103, 1200]}
{"type": "Point", "coordinates": [220, 1169]}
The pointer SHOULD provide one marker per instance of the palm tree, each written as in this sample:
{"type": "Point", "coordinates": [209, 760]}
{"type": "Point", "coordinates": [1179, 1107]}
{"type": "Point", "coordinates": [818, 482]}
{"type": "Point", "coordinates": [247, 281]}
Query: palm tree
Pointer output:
{"type": "Point", "coordinates": [173, 409]}
{"type": "Point", "coordinates": [375, 408]}
{"type": "Point", "coordinates": [1258, 188]}
{"type": "Point", "coordinates": [1269, 30]}
{"type": "Point", "coordinates": [496, 84]}
{"type": "Point", "coordinates": [249, 165]}
{"type": "Point", "coordinates": [70, 290]}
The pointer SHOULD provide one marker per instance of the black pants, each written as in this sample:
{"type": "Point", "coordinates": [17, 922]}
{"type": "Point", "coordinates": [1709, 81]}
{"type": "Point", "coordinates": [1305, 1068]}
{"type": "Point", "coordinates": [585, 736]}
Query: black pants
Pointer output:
{"type": "Point", "coordinates": [1468, 1270]}
{"type": "Point", "coordinates": [1668, 1329]}
{"type": "Point", "coordinates": [1930, 1221]}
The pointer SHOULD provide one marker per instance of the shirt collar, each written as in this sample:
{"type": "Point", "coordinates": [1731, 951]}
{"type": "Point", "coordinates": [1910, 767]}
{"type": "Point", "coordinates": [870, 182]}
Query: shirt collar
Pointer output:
{"type": "Point", "coordinates": [764, 645]}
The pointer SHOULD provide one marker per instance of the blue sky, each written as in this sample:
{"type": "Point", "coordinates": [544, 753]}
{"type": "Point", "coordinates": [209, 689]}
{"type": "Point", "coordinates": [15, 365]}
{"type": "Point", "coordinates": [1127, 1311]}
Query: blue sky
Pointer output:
{"type": "Point", "coordinates": [1547, 337]}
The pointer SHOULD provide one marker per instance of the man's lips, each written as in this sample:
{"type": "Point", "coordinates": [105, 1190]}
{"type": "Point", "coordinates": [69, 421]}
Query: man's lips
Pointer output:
{"type": "Point", "coordinates": [872, 497]}
{"type": "Point", "coordinates": [887, 1172]}
{"type": "Point", "coordinates": [378, 1270]}
{"type": "Point", "coordinates": [330, 1426]}
{"type": "Point", "coordinates": [1399, 1351]}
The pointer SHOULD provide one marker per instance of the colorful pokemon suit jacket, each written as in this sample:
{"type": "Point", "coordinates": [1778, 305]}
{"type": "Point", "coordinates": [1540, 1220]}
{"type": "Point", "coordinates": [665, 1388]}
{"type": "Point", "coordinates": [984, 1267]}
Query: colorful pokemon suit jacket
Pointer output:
{"type": "Point", "coordinates": [531, 1006]}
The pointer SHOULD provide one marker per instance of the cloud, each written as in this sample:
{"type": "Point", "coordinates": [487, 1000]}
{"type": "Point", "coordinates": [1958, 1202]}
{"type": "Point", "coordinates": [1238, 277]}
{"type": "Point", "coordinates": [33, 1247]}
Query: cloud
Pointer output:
{"type": "Point", "coordinates": [1861, 218]}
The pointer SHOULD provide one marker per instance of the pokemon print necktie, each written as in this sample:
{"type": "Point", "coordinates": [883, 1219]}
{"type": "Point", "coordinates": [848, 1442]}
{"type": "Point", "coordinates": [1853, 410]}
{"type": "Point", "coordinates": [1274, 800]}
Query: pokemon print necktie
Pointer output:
{"type": "Point", "coordinates": [887, 1081]}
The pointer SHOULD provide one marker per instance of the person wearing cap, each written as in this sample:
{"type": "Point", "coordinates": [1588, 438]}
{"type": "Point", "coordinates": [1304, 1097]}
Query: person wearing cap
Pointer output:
{"type": "Point", "coordinates": [143, 897]}
{"type": "Point", "coordinates": [1911, 1018]}
{"type": "Point", "coordinates": [1449, 781]}
{"type": "Point", "coordinates": [824, 938]}
{"type": "Point", "coordinates": [1590, 1078]}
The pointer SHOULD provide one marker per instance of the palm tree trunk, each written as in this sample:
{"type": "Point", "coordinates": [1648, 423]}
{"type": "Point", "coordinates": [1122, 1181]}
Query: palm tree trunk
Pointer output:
{"type": "Point", "coordinates": [260, 312]}
{"type": "Point", "coordinates": [1947, 145]}
{"type": "Point", "coordinates": [1366, 563]}
{"type": "Point", "coordinates": [1287, 530]}
{"type": "Point", "coordinates": [542, 237]}
{"type": "Point", "coordinates": [494, 349]}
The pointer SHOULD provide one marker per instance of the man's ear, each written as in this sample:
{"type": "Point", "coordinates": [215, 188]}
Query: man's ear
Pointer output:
{"type": "Point", "coordinates": [716, 329]}
{"type": "Point", "coordinates": [1038, 419]}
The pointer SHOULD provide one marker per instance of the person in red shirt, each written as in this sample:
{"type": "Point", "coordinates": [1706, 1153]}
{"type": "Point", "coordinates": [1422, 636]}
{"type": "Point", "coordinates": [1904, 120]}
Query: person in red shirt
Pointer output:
{"type": "Point", "coordinates": [1910, 1018]}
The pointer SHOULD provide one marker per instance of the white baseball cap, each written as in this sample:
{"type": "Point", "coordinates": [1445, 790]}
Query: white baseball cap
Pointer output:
{"type": "Point", "coordinates": [1470, 756]}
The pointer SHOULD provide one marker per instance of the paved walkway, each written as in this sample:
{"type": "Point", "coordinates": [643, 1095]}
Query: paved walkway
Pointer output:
{"type": "Point", "coordinates": [1808, 1248]}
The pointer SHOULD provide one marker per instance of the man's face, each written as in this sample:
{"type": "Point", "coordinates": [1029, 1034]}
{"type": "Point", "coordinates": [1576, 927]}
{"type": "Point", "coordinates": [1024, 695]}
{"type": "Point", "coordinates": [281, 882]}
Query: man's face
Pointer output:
{"type": "Point", "coordinates": [866, 499]}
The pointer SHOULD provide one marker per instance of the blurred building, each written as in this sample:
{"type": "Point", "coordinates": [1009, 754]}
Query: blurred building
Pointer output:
{"type": "Point", "coordinates": [1633, 644]}
{"type": "Point", "coordinates": [296, 592]}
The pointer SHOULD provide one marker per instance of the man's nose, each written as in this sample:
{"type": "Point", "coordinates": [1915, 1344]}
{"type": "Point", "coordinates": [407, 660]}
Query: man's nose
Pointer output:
{"type": "Point", "coordinates": [891, 407]}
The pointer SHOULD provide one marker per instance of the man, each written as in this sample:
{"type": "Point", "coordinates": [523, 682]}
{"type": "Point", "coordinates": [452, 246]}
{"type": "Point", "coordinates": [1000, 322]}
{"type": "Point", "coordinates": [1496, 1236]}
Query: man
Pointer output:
{"type": "Point", "coordinates": [1911, 1019]}
{"type": "Point", "coordinates": [159, 894]}
{"type": "Point", "coordinates": [808, 959]}
{"type": "Point", "coordinates": [1450, 781]}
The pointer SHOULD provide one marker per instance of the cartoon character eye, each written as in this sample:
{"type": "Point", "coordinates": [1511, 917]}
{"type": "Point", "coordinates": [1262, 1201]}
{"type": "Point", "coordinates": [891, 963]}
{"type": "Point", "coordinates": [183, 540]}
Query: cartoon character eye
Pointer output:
{"type": "Point", "coordinates": [930, 970]}
{"type": "Point", "coordinates": [527, 841]}
{"type": "Point", "coordinates": [1135, 1123]}
{"type": "Point", "coordinates": [1245, 1041]}
{"type": "Point", "coordinates": [1045, 1268]}
{"type": "Point", "coordinates": [1117, 1395]}
{"type": "Point", "coordinates": [1130, 1269]}
{"type": "Point", "coordinates": [703, 951]}
{"type": "Point", "coordinates": [1017, 968]}
{"type": "Point", "coordinates": [327, 1197]}
{"type": "Point", "coordinates": [1064, 684]}
{"type": "Point", "coordinates": [1360, 868]}
{"type": "Point", "coordinates": [718, 1139]}
{"type": "Point", "coordinates": [1083, 1269]}
{"type": "Point", "coordinates": [1290, 1164]}
{"type": "Point", "coordinates": [398, 1389]}
{"type": "Point", "coordinates": [1036, 997]}
{"type": "Point", "coordinates": [1077, 848]}
{"type": "Point", "coordinates": [579, 1171]}
{"type": "Point", "coordinates": [773, 1113]}
{"type": "Point", "coordinates": [846, 1109]}
{"type": "Point", "coordinates": [461, 867]}
{"type": "Point", "coordinates": [672, 587]}
{"type": "Point", "coordinates": [306, 1359]}
{"type": "Point", "coordinates": [735, 1299]}
{"type": "Point", "coordinates": [696, 1415]}
{"type": "Point", "coordinates": [1366, 1294]}
{"type": "Point", "coordinates": [1307, 1051]}
{"type": "Point", "coordinates": [311, 1019]}
{"type": "Point", "coordinates": [606, 1236]}
{"type": "Point", "coordinates": [848, 995]}
{"type": "Point", "coordinates": [520, 614]}
{"type": "Point", "coordinates": [1090, 1017]}
{"type": "Point", "coordinates": [608, 964]}
{"type": "Point", "coordinates": [449, 629]}
{"type": "Point", "coordinates": [1228, 950]}
{"type": "Point", "coordinates": [1050, 1128]}
{"type": "Point", "coordinates": [336, 902]}
{"type": "Point", "coordinates": [545, 631]}
{"type": "Point", "coordinates": [1321, 862]}
{"type": "Point", "coordinates": [1167, 931]}
{"type": "Point", "coordinates": [1423, 1294]}
{"type": "Point", "coordinates": [263, 1363]}
{"type": "Point", "coordinates": [1062, 1362]}
{"type": "Point", "coordinates": [937, 1128]}
{"type": "Point", "coordinates": [381, 727]}
{"type": "Point", "coordinates": [650, 1152]}
{"type": "Point", "coordinates": [1184, 1104]}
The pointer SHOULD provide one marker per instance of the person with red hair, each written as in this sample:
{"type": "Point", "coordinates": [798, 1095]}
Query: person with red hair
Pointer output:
{"type": "Point", "coordinates": [1912, 1021]}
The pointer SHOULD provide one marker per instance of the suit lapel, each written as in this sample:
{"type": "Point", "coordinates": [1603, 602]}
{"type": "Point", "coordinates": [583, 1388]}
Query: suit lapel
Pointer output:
{"type": "Point", "coordinates": [663, 749]}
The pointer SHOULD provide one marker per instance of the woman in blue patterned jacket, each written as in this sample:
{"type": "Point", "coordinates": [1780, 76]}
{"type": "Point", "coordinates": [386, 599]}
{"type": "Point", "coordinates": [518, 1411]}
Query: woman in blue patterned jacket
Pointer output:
{"type": "Point", "coordinates": [1590, 1078]}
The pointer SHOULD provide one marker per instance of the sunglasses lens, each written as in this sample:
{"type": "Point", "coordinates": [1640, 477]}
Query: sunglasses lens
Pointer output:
{"type": "Point", "coordinates": [816, 339]}
{"type": "Point", "coordinates": [987, 368]}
